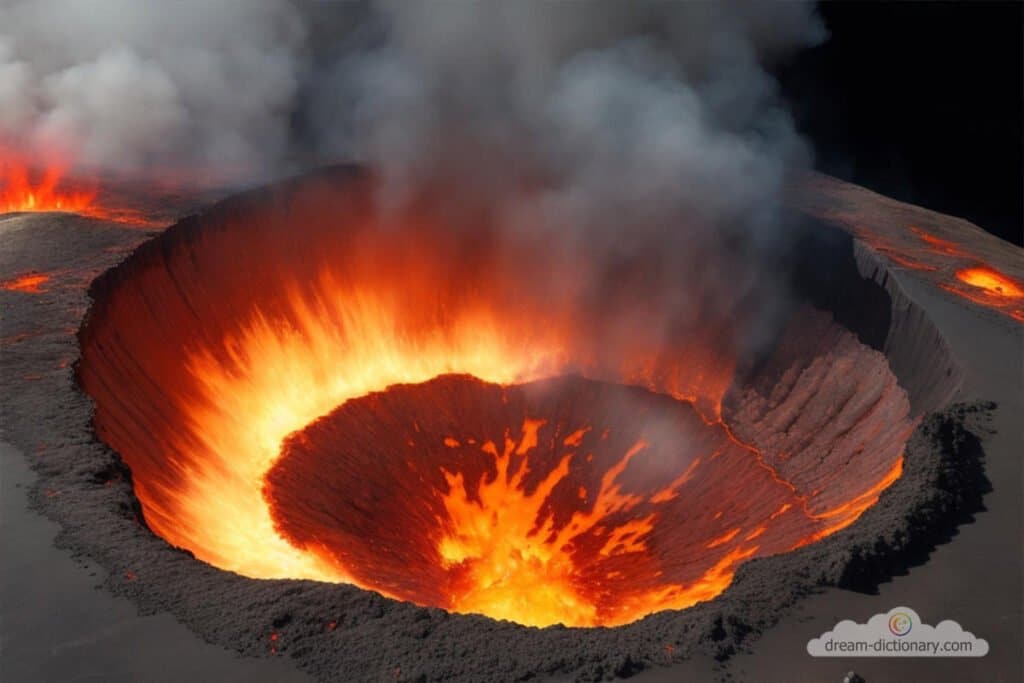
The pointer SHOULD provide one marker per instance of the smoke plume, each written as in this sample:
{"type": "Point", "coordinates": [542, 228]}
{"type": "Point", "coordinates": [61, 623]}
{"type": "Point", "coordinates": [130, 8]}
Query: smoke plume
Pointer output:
{"type": "Point", "coordinates": [672, 88]}
{"type": "Point", "coordinates": [641, 144]}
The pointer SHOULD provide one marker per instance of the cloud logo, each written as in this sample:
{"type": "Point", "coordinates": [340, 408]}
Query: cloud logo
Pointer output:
{"type": "Point", "coordinates": [897, 633]}
{"type": "Point", "coordinates": [900, 623]}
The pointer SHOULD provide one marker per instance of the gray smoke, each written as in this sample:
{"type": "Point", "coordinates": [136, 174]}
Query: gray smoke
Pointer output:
{"type": "Point", "coordinates": [655, 92]}
{"type": "Point", "coordinates": [643, 143]}
{"type": "Point", "coordinates": [639, 101]}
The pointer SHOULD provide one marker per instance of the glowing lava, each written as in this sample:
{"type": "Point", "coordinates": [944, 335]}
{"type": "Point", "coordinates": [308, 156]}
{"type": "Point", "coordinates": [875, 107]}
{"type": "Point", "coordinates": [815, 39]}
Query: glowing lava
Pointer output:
{"type": "Point", "coordinates": [278, 378]}
{"type": "Point", "coordinates": [536, 520]}
{"type": "Point", "coordinates": [954, 255]}
{"type": "Point", "coordinates": [989, 288]}
{"type": "Point", "coordinates": [21, 190]}
{"type": "Point", "coordinates": [945, 259]}
{"type": "Point", "coordinates": [30, 283]}
{"type": "Point", "coordinates": [991, 282]}
{"type": "Point", "coordinates": [25, 189]}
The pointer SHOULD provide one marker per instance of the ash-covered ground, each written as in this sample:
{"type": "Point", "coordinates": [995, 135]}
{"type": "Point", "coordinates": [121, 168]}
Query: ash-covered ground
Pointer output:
{"type": "Point", "coordinates": [339, 632]}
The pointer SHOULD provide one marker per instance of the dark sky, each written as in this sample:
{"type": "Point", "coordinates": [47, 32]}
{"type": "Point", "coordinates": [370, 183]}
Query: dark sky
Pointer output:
{"type": "Point", "coordinates": [921, 102]}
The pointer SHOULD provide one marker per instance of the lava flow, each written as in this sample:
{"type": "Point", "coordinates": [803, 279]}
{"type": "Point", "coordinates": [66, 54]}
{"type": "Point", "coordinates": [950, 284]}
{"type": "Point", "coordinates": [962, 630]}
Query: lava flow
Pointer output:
{"type": "Point", "coordinates": [303, 388]}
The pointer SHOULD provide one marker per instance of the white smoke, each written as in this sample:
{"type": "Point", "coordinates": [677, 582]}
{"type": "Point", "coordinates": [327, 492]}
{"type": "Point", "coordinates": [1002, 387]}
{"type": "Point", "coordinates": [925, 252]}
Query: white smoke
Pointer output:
{"type": "Point", "coordinates": [141, 84]}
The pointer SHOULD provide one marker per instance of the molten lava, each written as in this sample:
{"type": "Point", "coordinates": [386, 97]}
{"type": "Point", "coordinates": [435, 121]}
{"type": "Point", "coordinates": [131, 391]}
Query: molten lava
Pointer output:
{"type": "Point", "coordinates": [30, 283]}
{"type": "Point", "coordinates": [559, 501]}
{"type": "Point", "coordinates": [990, 288]}
{"type": "Point", "coordinates": [968, 276]}
{"type": "Point", "coordinates": [282, 382]}
{"type": "Point", "coordinates": [991, 283]}
{"type": "Point", "coordinates": [24, 189]}
{"type": "Point", "coordinates": [21, 190]}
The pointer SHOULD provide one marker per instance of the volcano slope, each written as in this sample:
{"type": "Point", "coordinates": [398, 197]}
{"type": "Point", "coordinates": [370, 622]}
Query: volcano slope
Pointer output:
{"type": "Point", "coordinates": [864, 336]}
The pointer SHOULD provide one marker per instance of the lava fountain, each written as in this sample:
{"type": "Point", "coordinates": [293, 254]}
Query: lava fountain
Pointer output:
{"type": "Point", "coordinates": [47, 187]}
{"type": "Point", "coordinates": [306, 387]}
{"type": "Point", "coordinates": [23, 189]}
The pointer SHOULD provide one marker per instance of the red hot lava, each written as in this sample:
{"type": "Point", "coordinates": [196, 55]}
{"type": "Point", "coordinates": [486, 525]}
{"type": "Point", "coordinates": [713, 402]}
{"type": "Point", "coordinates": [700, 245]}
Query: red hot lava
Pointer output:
{"type": "Point", "coordinates": [46, 187]}
{"type": "Point", "coordinates": [989, 287]}
{"type": "Point", "coordinates": [25, 189]}
{"type": "Point", "coordinates": [560, 501]}
{"type": "Point", "coordinates": [410, 419]}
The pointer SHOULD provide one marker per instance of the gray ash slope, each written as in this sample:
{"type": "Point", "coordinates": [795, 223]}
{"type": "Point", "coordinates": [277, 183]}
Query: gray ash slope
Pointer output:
{"type": "Point", "coordinates": [338, 632]}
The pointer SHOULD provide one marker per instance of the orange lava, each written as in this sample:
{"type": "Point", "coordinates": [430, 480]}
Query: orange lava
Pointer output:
{"type": "Point", "coordinates": [967, 276]}
{"type": "Point", "coordinates": [524, 567]}
{"type": "Point", "coordinates": [24, 188]}
{"type": "Point", "coordinates": [31, 283]}
{"type": "Point", "coordinates": [937, 244]}
{"type": "Point", "coordinates": [991, 282]}
{"type": "Point", "coordinates": [611, 504]}
{"type": "Point", "coordinates": [221, 352]}
{"type": "Point", "coordinates": [989, 288]}
{"type": "Point", "coordinates": [843, 515]}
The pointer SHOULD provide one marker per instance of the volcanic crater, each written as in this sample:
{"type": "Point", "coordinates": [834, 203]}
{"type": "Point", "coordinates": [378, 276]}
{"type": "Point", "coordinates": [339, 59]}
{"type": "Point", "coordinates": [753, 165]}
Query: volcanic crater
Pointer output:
{"type": "Point", "coordinates": [302, 393]}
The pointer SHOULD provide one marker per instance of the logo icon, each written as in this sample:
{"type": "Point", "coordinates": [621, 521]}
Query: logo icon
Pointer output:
{"type": "Point", "coordinates": [897, 633]}
{"type": "Point", "coordinates": [900, 623]}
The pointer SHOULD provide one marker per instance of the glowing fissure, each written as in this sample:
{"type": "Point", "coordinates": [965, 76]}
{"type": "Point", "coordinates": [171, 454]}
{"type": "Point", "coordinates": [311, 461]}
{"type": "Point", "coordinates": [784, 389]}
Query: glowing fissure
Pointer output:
{"type": "Point", "coordinates": [991, 282]}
